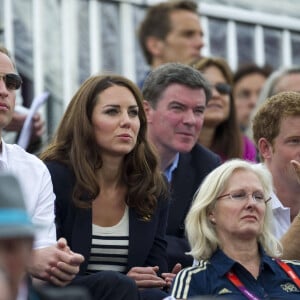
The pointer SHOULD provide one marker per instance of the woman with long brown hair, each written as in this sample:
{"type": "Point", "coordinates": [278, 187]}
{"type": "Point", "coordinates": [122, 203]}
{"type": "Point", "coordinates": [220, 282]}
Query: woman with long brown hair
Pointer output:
{"type": "Point", "coordinates": [110, 194]}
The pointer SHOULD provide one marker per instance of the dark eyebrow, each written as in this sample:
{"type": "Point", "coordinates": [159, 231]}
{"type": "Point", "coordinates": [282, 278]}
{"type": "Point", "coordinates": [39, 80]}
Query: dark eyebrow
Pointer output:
{"type": "Point", "coordinates": [118, 106]}
{"type": "Point", "coordinates": [201, 106]}
{"type": "Point", "coordinates": [112, 105]}
{"type": "Point", "coordinates": [184, 105]}
{"type": "Point", "coordinates": [176, 102]}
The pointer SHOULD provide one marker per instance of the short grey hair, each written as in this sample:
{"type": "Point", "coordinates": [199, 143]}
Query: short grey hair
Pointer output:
{"type": "Point", "coordinates": [160, 78]}
{"type": "Point", "coordinates": [270, 86]}
{"type": "Point", "coordinates": [270, 89]}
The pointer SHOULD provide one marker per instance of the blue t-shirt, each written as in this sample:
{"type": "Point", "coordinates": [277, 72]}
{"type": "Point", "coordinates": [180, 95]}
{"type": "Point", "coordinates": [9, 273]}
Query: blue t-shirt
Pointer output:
{"type": "Point", "coordinates": [209, 278]}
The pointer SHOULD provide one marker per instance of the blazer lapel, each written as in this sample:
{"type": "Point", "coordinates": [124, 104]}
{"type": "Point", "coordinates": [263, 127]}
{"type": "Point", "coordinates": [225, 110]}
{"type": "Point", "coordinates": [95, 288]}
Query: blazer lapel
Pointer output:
{"type": "Point", "coordinates": [181, 192]}
{"type": "Point", "coordinates": [138, 230]}
{"type": "Point", "coordinates": [82, 235]}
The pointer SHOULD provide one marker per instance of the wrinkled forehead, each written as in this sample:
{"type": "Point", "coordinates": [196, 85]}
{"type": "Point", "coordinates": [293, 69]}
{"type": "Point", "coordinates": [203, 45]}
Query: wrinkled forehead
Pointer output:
{"type": "Point", "coordinates": [244, 179]}
{"type": "Point", "coordinates": [183, 93]}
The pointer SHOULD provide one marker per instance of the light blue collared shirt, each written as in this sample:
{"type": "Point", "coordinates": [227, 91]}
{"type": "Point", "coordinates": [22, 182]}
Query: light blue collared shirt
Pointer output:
{"type": "Point", "coordinates": [169, 170]}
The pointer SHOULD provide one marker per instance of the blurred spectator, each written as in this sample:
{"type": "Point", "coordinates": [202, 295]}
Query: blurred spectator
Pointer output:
{"type": "Point", "coordinates": [16, 240]}
{"type": "Point", "coordinates": [248, 81]}
{"type": "Point", "coordinates": [10, 134]}
{"type": "Point", "coordinates": [285, 79]}
{"type": "Point", "coordinates": [5, 289]}
{"type": "Point", "coordinates": [171, 32]}
{"type": "Point", "coordinates": [16, 233]}
{"type": "Point", "coordinates": [220, 132]}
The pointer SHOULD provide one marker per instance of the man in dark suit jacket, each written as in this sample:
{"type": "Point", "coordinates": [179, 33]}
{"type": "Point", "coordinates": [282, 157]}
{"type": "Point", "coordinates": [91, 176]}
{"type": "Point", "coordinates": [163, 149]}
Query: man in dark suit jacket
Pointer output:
{"type": "Point", "coordinates": [176, 96]}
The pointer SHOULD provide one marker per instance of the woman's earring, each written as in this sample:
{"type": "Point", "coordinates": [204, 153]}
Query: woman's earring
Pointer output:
{"type": "Point", "coordinates": [213, 221]}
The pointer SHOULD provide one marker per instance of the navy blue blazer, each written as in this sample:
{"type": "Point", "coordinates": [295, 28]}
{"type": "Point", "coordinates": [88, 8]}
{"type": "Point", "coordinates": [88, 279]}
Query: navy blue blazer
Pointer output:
{"type": "Point", "coordinates": [190, 172]}
{"type": "Point", "coordinates": [147, 244]}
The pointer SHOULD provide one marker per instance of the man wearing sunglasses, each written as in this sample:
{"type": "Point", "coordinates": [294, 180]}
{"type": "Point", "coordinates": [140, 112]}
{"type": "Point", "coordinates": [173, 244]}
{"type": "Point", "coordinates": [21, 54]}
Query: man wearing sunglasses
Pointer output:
{"type": "Point", "coordinates": [176, 96]}
{"type": "Point", "coordinates": [18, 119]}
{"type": "Point", "coordinates": [53, 261]}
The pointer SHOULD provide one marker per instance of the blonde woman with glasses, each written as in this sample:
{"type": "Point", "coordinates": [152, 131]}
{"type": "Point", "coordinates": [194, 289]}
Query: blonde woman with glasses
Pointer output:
{"type": "Point", "coordinates": [229, 229]}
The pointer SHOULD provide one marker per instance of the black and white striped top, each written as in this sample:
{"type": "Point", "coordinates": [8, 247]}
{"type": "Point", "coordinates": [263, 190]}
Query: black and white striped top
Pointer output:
{"type": "Point", "coordinates": [109, 249]}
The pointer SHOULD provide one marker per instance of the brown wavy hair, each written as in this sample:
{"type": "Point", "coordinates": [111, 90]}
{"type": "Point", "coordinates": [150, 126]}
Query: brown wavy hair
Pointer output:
{"type": "Point", "coordinates": [74, 145]}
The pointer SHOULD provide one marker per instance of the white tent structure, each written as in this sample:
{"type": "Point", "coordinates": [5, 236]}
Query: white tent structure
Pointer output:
{"type": "Point", "coordinates": [59, 43]}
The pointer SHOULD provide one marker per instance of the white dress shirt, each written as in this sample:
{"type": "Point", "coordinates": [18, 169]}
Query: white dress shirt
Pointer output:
{"type": "Point", "coordinates": [282, 217]}
{"type": "Point", "coordinates": [36, 184]}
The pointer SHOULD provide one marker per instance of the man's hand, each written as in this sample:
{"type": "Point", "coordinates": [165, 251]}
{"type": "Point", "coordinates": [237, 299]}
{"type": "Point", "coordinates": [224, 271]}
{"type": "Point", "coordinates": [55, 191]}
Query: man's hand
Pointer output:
{"type": "Point", "coordinates": [17, 122]}
{"type": "Point", "coordinates": [57, 263]}
{"type": "Point", "coordinates": [146, 277]}
{"type": "Point", "coordinates": [296, 166]}
{"type": "Point", "coordinates": [38, 127]}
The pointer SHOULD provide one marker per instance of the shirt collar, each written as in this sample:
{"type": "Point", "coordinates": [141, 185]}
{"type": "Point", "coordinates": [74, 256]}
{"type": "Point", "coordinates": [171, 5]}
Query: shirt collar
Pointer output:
{"type": "Point", "coordinates": [223, 264]}
{"type": "Point", "coordinates": [3, 156]}
{"type": "Point", "coordinates": [276, 203]}
{"type": "Point", "coordinates": [169, 170]}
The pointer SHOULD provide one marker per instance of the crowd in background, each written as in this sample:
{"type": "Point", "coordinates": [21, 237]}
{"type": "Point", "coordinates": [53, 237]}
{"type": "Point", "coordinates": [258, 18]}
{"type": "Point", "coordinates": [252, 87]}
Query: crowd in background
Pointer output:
{"type": "Point", "coordinates": [183, 185]}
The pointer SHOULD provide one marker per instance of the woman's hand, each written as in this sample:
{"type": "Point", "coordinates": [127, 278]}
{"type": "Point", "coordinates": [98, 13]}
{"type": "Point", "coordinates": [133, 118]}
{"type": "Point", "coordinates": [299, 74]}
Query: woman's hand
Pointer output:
{"type": "Point", "coordinates": [146, 277]}
{"type": "Point", "coordinates": [168, 277]}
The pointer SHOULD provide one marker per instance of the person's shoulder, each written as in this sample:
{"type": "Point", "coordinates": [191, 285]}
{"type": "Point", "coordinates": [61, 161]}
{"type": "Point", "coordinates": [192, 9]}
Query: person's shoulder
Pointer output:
{"type": "Point", "coordinates": [248, 141]}
{"type": "Point", "coordinates": [198, 276]}
{"type": "Point", "coordinates": [17, 151]}
{"type": "Point", "coordinates": [61, 174]}
{"type": "Point", "coordinates": [249, 149]}
{"type": "Point", "coordinates": [203, 155]}
{"type": "Point", "coordinates": [58, 169]}
{"type": "Point", "coordinates": [20, 156]}
{"type": "Point", "coordinates": [295, 263]}
{"type": "Point", "coordinates": [200, 270]}
{"type": "Point", "coordinates": [205, 151]}
{"type": "Point", "coordinates": [56, 165]}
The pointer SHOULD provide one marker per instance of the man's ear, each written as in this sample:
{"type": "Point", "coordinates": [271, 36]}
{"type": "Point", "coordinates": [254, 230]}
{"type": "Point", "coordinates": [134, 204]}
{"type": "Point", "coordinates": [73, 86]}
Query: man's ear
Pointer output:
{"type": "Point", "coordinates": [154, 46]}
{"type": "Point", "coordinates": [265, 148]}
{"type": "Point", "coordinates": [148, 110]}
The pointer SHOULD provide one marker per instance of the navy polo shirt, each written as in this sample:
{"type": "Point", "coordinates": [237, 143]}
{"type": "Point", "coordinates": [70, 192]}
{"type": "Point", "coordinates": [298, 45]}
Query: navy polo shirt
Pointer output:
{"type": "Point", "coordinates": [209, 278]}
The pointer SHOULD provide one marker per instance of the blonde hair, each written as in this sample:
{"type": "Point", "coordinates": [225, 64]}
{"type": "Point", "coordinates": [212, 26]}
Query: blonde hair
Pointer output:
{"type": "Point", "coordinates": [201, 232]}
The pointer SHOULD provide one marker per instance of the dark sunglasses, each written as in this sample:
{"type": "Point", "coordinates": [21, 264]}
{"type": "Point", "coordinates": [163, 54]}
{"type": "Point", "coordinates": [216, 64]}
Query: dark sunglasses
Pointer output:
{"type": "Point", "coordinates": [12, 81]}
{"type": "Point", "coordinates": [223, 88]}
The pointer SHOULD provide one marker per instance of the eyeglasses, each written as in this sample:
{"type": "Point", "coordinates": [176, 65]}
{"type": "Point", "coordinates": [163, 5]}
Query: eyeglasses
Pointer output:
{"type": "Point", "coordinates": [222, 88]}
{"type": "Point", "coordinates": [243, 195]}
{"type": "Point", "coordinates": [12, 81]}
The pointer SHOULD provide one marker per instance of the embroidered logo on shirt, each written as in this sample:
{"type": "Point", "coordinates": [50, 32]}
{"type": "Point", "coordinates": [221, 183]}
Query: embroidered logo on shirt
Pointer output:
{"type": "Point", "coordinates": [224, 291]}
{"type": "Point", "coordinates": [289, 287]}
